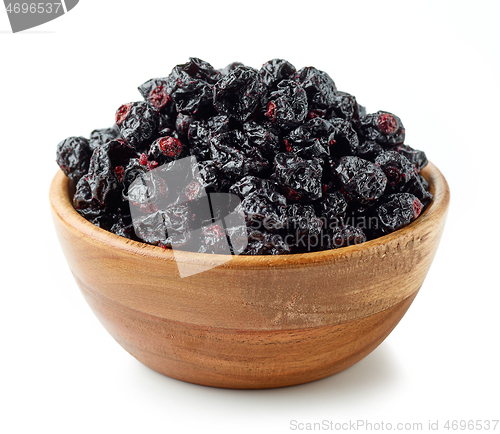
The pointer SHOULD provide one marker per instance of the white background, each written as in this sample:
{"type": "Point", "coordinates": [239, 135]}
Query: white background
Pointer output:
{"type": "Point", "coordinates": [435, 64]}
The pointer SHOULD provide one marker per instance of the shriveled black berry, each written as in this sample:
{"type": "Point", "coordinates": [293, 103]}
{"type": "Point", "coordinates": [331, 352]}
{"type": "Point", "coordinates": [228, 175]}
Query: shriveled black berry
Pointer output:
{"type": "Point", "coordinates": [303, 227]}
{"type": "Point", "coordinates": [312, 139]}
{"type": "Point", "coordinates": [73, 157]}
{"type": "Point", "coordinates": [200, 133]}
{"type": "Point", "coordinates": [190, 85]}
{"type": "Point", "coordinates": [333, 207]}
{"type": "Point", "coordinates": [182, 123]}
{"type": "Point", "coordinates": [345, 141]}
{"type": "Point", "coordinates": [132, 171]}
{"type": "Point", "coordinates": [287, 107]}
{"type": "Point", "coordinates": [274, 71]}
{"type": "Point", "coordinates": [262, 137]}
{"type": "Point", "coordinates": [368, 150]}
{"type": "Point", "coordinates": [155, 92]}
{"type": "Point", "coordinates": [361, 180]}
{"type": "Point", "coordinates": [84, 202]}
{"type": "Point", "coordinates": [229, 68]}
{"type": "Point", "coordinates": [397, 210]}
{"type": "Point", "coordinates": [121, 224]}
{"type": "Point", "coordinates": [418, 158]}
{"type": "Point", "coordinates": [104, 135]}
{"type": "Point", "coordinates": [165, 149]}
{"type": "Point", "coordinates": [213, 239]}
{"type": "Point", "coordinates": [248, 184]}
{"type": "Point", "coordinates": [264, 209]}
{"type": "Point", "coordinates": [346, 235]}
{"type": "Point", "coordinates": [396, 167]}
{"type": "Point", "coordinates": [419, 187]}
{"type": "Point", "coordinates": [234, 157]}
{"type": "Point", "coordinates": [138, 123]}
{"type": "Point", "coordinates": [319, 86]}
{"type": "Point", "coordinates": [106, 171]}
{"type": "Point", "coordinates": [383, 127]}
{"type": "Point", "coordinates": [261, 242]}
{"type": "Point", "coordinates": [345, 106]}
{"type": "Point", "coordinates": [237, 94]}
{"type": "Point", "coordinates": [299, 179]}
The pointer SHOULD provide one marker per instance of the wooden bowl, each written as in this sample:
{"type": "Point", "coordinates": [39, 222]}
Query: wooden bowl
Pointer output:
{"type": "Point", "coordinates": [255, 321]}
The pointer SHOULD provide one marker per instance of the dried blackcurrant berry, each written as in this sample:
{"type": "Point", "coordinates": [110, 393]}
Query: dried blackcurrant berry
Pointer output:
{"type": "Point", "coordinates": [99, 137]}
{"type": "Point", "coordinates": [396, 211]}
{"type": "Point", "coordinates": [182, 123]}
{"type": "Point", "coordinates": [361, 180]}
{"type": "Point", "coordinates": [346, 235]}
{"type": "Point", "coordinates": [418, 187]}
{"type": "Point", "coordinates": [155, 92]}
{"type": "Point", "coordinates": [121, 225]}
{"type": "Point", "coordinates": [73, 157]}
{"type": "Point", "coordinates": [234, 157]}
{"type": "Point", "coordinates": [83, 201]}
{"type": "Point", "coordinates": [262, 137]}
{"type": "Point", "coordinates": [274, 71]}
{"type": "Point", "coordinates": [165, 149]}
{"type": "Point", "coordinates": [138, 123]}
{"type": "Point", "coordinates": [229, 68]}
{"type": "Point", "coordinates": [132, 171]}
{"type": "Point", "coordinates": [213, 239]}
{"type": "Point", "coordinates": [103, 178]}
{"type": "Point", "coordinates": [333, 207]}
{"type": "Point", "coordinates": [368, 150]}
{"type": "Point", "coordinates": [383, 127]}
{"type": "Point", "coordinates": [303, 227]}
{"type": "Point", "coordinates": [319, 86]}
{"type": "Point", "coordinates": [264, 209]}
{"type": "Point", "coordinates": [345, 141]}
{"type": "Point", "coordinates": [312, 139]}
{"type": "Point", "coordinates": [200, 132]}
{"type": "Point", "coordinates": [418, 158]}
{"type": "Point", "coordinates": [396, 167]}
{"type": "Point", "coordinates": [237, 94]}
{"type": "Point", "coordinates": [287, 106]}
{"type": "Point", "coordinates": [261, 242]}
{"type": "Point", "coordinates": [299, 179]}
{"type": "Point", "coordinates": [248, 184]}
{"type": "Point", "coordinates": [345, 107]}
{"type": "Point", "coordinates": [190, 85]}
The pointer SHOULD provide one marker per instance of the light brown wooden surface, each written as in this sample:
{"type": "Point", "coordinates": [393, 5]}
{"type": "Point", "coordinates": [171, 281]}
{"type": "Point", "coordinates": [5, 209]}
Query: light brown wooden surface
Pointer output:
{"type": "Point", "coordinates": [251, 322]}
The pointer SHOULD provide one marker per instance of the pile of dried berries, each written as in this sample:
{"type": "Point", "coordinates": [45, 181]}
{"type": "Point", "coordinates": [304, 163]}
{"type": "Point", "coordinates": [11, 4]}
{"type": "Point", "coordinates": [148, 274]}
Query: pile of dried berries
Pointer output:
{"type": "Point", "coordinates": [311, 169]}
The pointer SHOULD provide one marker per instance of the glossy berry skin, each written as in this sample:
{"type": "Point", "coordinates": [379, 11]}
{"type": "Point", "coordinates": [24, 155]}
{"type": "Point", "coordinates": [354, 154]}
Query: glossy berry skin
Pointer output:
{"type": "Point", "coordinates": [416, 157]}
{"type": "Point", "coordinates": [155, 92]}
{"type": "Point", "coordinates": [362, 181]}
{"type": "Point", "coordinates": [346, 141]}
{"type": "Point", "coordinates": [261, 242]}
{"type": "Point", "coordinates": [165, 149]}
{"type": "Point", "coordinates": [214, 240]}
{"type": "Point", "coordinates": [190, 85]}
{"type": "Point", "coordinates": [397, 211]}
{"type": "Point", "coordinates": [104, 135]}
{"type": "Point", "coordinates": [345, 106]}
{"type": "Point", "coordinates": [249, 184]}
{"type": "Point", "coordinates": [263, 137]}
{"type": "Point", "coordinates": [333, 207]}
{"type": "Point", "coordinates": [264, 209]}
{"type": "Point", "coordinates": [383, 127]}
{"type": "Point", "coordinates": [368, 150]}
{"type": "Point", "coordinates": [396, 167]}
{"type": "Point", "coordinates": [312, 139]}
{"type": "Point", "coordinates": [299, 179]}
{"type": "Point", "coordinates": [287, 106]}
{"type": "Point", "coordinates": [200, 133]}
{"type": "Point", "coordinates": [237, 94]}
{"type": "Point", "coordinates": [138, 123]}
{"type": "Point", "coordinates": [234, 157]}
{"type": "Point", "coordinates": [303, 227]}
{"type": "Point", "coordinates": [103, 178]}
{"type": "Point", "coordinates": [73, 157]}
{"type": "Point", "coordinates": [319, 86]}
{"type": "Point", "coordinates": [274, 71]}
{"type": "Point", "coordinates": [346, 235]}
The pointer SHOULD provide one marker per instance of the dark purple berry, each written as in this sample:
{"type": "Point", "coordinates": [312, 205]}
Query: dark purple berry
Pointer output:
{"type": "Point", "coordinates": [396, 211]}
{"type": "Point", "coordinates": [319, 86]}
{"type": "Point", "coordinates": [287, 106]}
{"type": "Point", "coordinates": [73, 157]}
{"type": "Point", "coordinates": [383, 127]}
{"type": "Point", "coordinates": [138, 123]}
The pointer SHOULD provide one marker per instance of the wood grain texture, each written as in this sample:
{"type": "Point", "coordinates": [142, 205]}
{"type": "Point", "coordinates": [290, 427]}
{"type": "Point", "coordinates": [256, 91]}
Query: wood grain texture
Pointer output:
{"type": "Point", "coordinates": [251, 322]}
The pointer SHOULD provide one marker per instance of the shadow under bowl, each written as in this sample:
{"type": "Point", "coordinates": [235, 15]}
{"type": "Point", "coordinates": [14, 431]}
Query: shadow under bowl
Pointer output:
{"type": "Point", "coordinates": [253, 321]}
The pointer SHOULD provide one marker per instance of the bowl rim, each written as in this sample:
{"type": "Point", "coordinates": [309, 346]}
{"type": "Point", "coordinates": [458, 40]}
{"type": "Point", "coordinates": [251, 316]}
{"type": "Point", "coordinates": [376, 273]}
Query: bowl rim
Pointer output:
{"type": "Point", "coordinates": [62, 207]}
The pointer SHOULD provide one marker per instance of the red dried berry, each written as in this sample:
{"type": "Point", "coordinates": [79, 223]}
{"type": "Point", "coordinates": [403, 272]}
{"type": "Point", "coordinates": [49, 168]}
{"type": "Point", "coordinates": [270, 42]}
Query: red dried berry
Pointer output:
{"type": "Point", "coordinates": [119, 172]}
{"type": "Point", "coordinates": [271, 111]}
{"type": "Point", "coordinates": [143, 160]}
{"type": "Point", "coordinates": [159, 97]}
{"type": "Point", "coordinates": [170, 146]}
{"type": "Point", "coordinates": [387, 123]}
{"type": "Point", "coordinates": [417, 208]}
{"type": "Point", "coordinates": [122, 113]}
